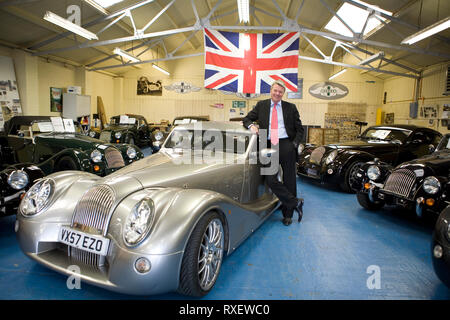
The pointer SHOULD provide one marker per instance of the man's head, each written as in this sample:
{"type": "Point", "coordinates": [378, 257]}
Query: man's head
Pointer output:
{"type": "Point", "coordinates": [277, 91]}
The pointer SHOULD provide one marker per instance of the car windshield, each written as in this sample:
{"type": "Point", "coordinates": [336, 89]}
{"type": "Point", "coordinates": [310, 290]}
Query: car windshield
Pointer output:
{"type": "Point", "coordinates": [386, 134]}
{"type": "Point", "coordinates": [213, 140]}
{"type": "Point", "coordinates": [444, 144]}
{"type": "Point", "coordinates": [122, 121]}
{"type": "Point", "coordinates": [185, 120]}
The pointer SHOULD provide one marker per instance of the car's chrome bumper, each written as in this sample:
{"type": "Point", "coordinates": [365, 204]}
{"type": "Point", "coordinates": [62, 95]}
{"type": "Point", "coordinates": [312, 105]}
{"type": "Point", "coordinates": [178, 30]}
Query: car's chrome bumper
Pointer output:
{"type": "Point", "coordinates": [40, 243]}
{"type": "Point", "coordinates": [326, 174]}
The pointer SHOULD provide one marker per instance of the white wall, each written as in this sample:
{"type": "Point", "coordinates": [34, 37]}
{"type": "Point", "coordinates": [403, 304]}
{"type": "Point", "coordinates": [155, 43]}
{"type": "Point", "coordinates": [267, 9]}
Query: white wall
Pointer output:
{"type": "Point", "coordinates": [36, 75]}
{"type": "Point", "coordinates": [401, 92]}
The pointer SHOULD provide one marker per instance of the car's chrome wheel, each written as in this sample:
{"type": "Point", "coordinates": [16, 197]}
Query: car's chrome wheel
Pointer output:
{"type": "Point", "coordinates": [350, 178]}
{"type": "Point", "coordinates": [210, 254]}
{"type": "Point", "coordinates": [203, 256]}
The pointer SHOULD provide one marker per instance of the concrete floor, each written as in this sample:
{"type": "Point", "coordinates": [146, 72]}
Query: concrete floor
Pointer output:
{"type": "Point", "coordinates": [338, 251]}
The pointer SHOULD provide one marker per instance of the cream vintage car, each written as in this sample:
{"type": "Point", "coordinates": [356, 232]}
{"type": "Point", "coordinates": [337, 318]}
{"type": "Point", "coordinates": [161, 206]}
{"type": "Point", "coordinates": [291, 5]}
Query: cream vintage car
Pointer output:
{"type": "Point", "coordinates": [161, 224]}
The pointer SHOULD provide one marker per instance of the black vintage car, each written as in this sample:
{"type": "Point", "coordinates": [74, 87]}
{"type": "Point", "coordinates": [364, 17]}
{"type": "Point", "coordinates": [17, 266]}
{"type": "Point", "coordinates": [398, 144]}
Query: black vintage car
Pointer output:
{"type": "Point", "coordinates": [440, 247]}
{"type": "Point", "coordinates": [421, 184]}
{"type": "Point", "coordinates": [128, 128]}
{"type": "Point", "coordinates": [159, 135]}
{"type": "Point", "coordinates": [338, 163]}
{"type": "Point", "coordinates": [14, 182]}
{"type": "Point", "coordinates": [33, 139]}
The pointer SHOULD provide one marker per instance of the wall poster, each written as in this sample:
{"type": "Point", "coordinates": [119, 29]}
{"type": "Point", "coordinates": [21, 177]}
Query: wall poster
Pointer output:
{"type": "Point", "coordinates": [56, 95]}
{"type": "Point", "coordinates": [146, 87]}
{"type": "Point", "coordinates": [9, 93]}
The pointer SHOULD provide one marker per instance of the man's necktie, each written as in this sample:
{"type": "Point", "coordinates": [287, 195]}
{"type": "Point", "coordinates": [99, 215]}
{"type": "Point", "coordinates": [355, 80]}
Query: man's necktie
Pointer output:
{"type": "Point", "coordinates": [274, 126]}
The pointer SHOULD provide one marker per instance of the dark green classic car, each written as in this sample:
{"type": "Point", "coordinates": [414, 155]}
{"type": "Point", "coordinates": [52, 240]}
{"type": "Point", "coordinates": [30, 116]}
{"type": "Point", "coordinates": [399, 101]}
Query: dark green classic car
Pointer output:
{"type": "Point", "coordinates": [33, 139]}
{"type": "Point", "coordinates": [129, 128]}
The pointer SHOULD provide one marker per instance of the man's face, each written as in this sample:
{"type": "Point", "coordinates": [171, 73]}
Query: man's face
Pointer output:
{"type": "Point", "coordinates": [276, 93]}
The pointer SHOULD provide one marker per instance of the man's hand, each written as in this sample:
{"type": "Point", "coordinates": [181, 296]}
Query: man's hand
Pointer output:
{"type": "Point", "coordinates": [253, 128]}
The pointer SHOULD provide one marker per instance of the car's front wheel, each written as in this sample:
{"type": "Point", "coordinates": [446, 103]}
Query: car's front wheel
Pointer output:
{"type": "Point", "coordinates": [130, 139]}
{"type": "Point", "coordinates": [365, 202]}
{"type": "Point", "coordinates": [66, 163]}
{"type": "Point", "coordinates": [203, 256]}
{"type": "Point", "coordinates": [350, 178]}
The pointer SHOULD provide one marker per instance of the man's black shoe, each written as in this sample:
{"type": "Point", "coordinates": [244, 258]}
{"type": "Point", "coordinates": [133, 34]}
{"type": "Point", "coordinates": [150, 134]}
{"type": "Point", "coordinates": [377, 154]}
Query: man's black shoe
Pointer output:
{"type": "Point", "coordinates": [287, 221]}
{"type": "Point", "coordinates": [299, 209]}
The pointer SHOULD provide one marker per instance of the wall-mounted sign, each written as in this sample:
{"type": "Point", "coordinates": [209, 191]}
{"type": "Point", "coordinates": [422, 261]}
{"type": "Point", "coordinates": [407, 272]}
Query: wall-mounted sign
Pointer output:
{"type": "Point", "coordinates": [239, 104]}
{"type": "Point", "coordinates": [328, 90]}
{"type": "Point", "coordinates": [182, 87]}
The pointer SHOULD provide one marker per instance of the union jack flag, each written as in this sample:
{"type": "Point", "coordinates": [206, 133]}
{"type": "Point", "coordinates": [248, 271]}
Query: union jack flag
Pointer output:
{"type": "Point", "coordinates": [250, 62]}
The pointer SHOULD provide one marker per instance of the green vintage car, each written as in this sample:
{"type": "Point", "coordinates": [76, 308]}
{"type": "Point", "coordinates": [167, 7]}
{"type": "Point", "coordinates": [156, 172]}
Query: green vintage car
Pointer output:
{"type": "Point", "coordinates": [33, 139]}
{"type": "Point", "coordinates": [129, 128]}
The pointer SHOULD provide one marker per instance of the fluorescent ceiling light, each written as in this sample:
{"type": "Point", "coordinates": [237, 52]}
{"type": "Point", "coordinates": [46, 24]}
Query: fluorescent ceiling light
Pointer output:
{"type": "Point", "coordinates": [244, 10]}
{"type": "Point", "coordinates": [160, 69]}
{"type": "Point", "coordinates": [428, 31]}
{"type": "Point", "coordinates": [355, 18]}
{"type": "Point", "coordinates": [66, 24]}
{"type": "Point", "coordinates": [372, 58]}
{"type": "Point", "coordinates": [126, 55]}
{"type": "Point", "coordinates": [337, 74]}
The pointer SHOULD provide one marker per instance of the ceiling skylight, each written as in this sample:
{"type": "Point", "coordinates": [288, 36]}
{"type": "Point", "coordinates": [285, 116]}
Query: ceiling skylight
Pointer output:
{"type": "Point", "coordinates": [355, 18]}
{"type": "Point", "coordinates": [107, 3]}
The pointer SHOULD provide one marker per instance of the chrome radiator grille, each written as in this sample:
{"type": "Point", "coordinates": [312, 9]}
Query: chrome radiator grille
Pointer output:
{"type": "Point", "coordinates": [92, 211]}
{"type": "Point", "coordinates": [400, 182]}
{"type": "Point", "coordinates": [105, 136]}
{"type": "Point", "coordinates": [92, 215]}
{"type": "Point", "coordinates": [85, 257]}
{"type": "Point", "coordinates": [316, 155]}
{"type": "Point", "coordinates": [114, 158]}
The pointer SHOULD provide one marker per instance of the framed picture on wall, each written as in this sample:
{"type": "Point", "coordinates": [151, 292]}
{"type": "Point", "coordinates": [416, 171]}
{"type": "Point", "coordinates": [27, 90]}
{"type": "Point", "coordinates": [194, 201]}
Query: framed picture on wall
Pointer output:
{"type": "Point", "coordinates": [146, 87]}
{"type": "Point", "coordinates": [55, 99]}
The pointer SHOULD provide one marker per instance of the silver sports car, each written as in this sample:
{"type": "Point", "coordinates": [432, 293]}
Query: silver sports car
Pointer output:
{"type": "Point", "coordinates": [161, 224]}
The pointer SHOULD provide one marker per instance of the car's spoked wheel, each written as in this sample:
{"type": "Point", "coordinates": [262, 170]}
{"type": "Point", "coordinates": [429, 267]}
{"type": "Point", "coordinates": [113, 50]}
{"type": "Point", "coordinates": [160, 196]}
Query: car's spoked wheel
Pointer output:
{"type": "Point", "coordinates": [66, 163]}
{"type": "Point", "coordinates": [130, 140]}
{"type": "Point", "coordinates": [210, 254]}
{"type": "Point", "coordinates": [350, 177]}
{"type": "Point", "coordinates": [203, 256]}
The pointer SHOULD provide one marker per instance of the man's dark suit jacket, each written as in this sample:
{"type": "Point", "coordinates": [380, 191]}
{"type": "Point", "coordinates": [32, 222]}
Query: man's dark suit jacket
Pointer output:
{"type": "Point", "coordinates": [291, 117]}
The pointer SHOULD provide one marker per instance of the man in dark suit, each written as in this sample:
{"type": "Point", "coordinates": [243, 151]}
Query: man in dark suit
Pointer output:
{"type": "Point", "coordinates": [283, 127]}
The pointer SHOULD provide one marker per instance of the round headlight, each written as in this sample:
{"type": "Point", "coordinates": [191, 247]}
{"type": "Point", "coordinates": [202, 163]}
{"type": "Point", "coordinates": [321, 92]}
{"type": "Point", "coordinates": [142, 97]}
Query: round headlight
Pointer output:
{"type": "Point", "coordinates": [158, 135]}
{"type": "Point", "coordinates": [373, 172]}
{"type": "Point", "coordinates": [131, 153]}
{"type": "Point", "coordinates": [18, 179]}
{"type": "Point", "coordinates": [96, 156]}
{"type": "Point", "coordinates": [118, 135]}
{"type": "Point", "coordinates": [139, 222]}
{"type": "Point", "coordinates": [37, 198]}
{"type": "Point", "coordinates": [431, 185]}
{"type": "Point", "coordinates": [300, 148]}
{"type": "Point", "coordinates": [331, 157]}
{"type": "Point", "coordinates": [92, 134]}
